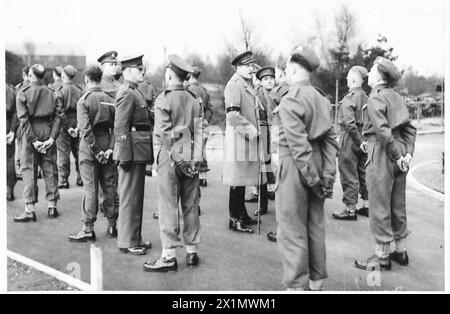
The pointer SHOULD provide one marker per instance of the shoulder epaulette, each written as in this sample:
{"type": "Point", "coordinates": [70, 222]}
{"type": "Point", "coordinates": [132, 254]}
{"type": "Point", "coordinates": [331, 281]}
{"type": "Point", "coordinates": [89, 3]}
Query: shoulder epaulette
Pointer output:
{"type": "Point", "coordinates": [85, 96]}
{"type": "Point", "coordinates": [192, 93]}
{"type": "Point", "coordinates": [320, 91]}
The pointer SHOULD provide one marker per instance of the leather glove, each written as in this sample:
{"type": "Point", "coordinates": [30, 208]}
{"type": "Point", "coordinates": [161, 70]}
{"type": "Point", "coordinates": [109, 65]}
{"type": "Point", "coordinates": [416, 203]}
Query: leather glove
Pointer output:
{"type": "Point", "coordinates": [318, 190]}
{"type": "Point", "coordinates": [364, 147]}
{"type": "Point", "coordinates": [183, 168]}
{"type": "Point", "coordinates": [126, 166]}
{"type": "Point", "coordinates": [328, 187]}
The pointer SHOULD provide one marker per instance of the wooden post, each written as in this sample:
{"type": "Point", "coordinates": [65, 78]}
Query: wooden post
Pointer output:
{"type": "Point", "coordinates": [96, 268]}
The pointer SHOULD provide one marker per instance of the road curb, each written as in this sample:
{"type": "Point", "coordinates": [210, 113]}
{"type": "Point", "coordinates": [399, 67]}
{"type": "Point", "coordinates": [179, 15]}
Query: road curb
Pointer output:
{"type": "Point", "coordinates": [418, 186]}
{"type": "Point", "coordinates": [71, 281]}
{"type": "Point", "coordinates": [430, 132]}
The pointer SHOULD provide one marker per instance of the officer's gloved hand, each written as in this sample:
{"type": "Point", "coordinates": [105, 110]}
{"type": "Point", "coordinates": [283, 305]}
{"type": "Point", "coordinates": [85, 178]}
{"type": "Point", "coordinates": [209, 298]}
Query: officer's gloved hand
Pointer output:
{"type": "Point", "coordinates": [328, 187]}
{"type": "Point", "coordinates": [318, 190]}
{"type": "Point", "coordinates": [364, 147]}
{"type": "Point", "coordinates": [183, 168]}
{"type": "Point", "coordinates": [126, 166]}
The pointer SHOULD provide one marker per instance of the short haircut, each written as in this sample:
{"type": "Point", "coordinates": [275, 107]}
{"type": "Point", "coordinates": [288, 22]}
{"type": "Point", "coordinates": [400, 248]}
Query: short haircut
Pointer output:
{"type": "Point", "coordinates": [38, 70]}
{"type": "Point", "coordinates": [94, 73]}
{"type": "Point", "coordinates": [25, 70]}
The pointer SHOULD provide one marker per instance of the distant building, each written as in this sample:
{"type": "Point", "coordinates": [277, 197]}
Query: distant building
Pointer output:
{"type": "Point", "coordinates": [50, 55]}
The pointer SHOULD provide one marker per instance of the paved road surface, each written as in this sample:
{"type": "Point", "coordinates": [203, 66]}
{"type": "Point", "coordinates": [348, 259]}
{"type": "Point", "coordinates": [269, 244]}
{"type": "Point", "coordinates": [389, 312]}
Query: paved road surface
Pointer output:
{"type": "Point", "coordinates": [231, 261]}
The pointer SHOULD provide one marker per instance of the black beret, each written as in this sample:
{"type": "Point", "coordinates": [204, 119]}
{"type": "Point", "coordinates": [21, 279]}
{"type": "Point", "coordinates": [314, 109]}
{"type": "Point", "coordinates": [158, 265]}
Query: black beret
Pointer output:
{"type": "Point", "coordinates": [388, 67]}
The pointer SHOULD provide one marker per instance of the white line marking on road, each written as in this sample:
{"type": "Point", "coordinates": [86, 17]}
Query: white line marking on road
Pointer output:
{"type": "Point", "coordinates": [415, 184]}
{"type": "Point", "coordinates": [71, 281]}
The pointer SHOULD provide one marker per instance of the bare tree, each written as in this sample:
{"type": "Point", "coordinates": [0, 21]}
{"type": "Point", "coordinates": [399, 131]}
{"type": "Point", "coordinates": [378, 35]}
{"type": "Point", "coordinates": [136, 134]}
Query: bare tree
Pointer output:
{"type": "Point", "coordinates": [30, 48]}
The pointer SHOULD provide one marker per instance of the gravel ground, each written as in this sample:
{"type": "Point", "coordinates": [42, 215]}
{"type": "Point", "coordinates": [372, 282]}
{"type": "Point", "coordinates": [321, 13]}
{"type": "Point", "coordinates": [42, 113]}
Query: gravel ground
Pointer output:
{"type": "Point", "coordinates": [24, 278]}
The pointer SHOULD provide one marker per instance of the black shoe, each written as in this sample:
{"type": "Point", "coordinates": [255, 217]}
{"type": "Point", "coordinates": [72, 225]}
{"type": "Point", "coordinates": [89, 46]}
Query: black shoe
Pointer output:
{"type": "Point", "coordinates": [400, 257]}
{"type": "Point", "coordinates": [374, 263]}
{"type": "Point", "coordinates": [64, 185]}
{"type": "Point", "coordinates": [192, 259]}
{"type": "Point", "coordinates": [261, 212]}
{"type": "Point", "coordinates": [111, 232]}
{"type": "Point", "coordinates": [345, 215]}
{"type": "Point", "coordinates": [155, 215]}
{"type": "Point", "coordinates": [239, 226]}
{"type": "Point", "coordinates": [146, 245]}
{"type": "Point", "coordinates": [161, 265]}
{"type": "Point", "coordinates": [203, 183]}
{"type": "Point", "coordinates": [53, 212]}
{"type": "Point", "coordinates": [251, 198]}
{"type": "Point", "coordinates": [137, 250]}
{"type": "Point", "coordinates": [271, 196]}
{"type": "Point", "coordinates": [10, 197]}
{"type": "Point", "coordinates": [149, 173]}
{"type": "Point", "coordinates": [272, 236]}
{"type": "Point", "coordinates": [25, 217]}
{"type": "Point", "coordinates": [246, 219]}
{"type": "Point", "coordinates": [363, 211]}
{"type": "Point", "coordinates": [79, 182]}
{"type": "Point", "coordinates": [83, 236]}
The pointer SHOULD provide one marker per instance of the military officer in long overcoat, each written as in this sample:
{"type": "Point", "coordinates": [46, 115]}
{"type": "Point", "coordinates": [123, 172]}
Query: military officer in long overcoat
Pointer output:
{"type": "Point", "coordinates": [242, 162]}
{"type": "Point", "coordinates": [307, 148]}
{"type": "Point", "coordinates": [353, 153]}
{"type": "Point", "coordinates": [391, 142]}
{"type": "Point", "coordinates": [132, 152]}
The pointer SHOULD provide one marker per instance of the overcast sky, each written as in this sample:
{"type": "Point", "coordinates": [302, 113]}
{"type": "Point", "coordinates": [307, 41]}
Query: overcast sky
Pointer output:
{"type": "Point", "coordinates": [415, 28]}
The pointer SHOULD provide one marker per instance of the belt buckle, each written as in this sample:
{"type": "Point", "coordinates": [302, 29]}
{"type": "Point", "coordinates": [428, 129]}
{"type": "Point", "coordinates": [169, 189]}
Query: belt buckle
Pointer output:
{"type": "Point", "coordinates": [133, 129]}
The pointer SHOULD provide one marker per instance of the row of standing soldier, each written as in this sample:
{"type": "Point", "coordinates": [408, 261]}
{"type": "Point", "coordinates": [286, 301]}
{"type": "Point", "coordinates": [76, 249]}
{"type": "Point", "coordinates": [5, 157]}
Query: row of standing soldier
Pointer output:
{"type": "Point", "coordinates": [113, 126]}
{"type": "Point", "coordinates": [377, 137]}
